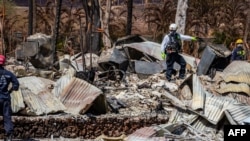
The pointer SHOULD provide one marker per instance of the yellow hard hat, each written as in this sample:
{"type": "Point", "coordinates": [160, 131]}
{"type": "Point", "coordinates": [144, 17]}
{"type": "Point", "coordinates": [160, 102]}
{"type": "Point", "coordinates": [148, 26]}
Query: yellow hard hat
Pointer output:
{"type": "Point", "coordinates": [239, 41]}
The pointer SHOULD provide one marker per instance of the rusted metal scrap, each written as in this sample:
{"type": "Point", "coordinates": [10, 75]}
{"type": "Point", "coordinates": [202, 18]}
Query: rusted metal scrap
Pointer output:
{"type": "Point", "coordinates": [78, 96]}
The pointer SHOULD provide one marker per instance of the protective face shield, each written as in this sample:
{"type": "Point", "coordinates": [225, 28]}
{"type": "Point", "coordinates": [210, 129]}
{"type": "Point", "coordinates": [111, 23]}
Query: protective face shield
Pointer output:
{"type": "Point", "coordinates": [240, 45]}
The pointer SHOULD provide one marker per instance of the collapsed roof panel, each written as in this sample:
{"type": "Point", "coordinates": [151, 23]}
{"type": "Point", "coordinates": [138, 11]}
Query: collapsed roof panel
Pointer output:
{"type": "Point", "coordinates": [239, 113]}
{"type": "Point", "coordinates": [36, 93]}
{"type": "Point", "coordinates": [215, 56]}
{"type": "Point", "coordinates": [36, 84]}
{"type": "Point", "coordinates": [17, 102]}
{"type": "Point", "coordinates": [150, 48]}
{"type": "Point", "coordinates": [114, 56]}
{"type": "Point", "coordinates": [206, 60]}
{"type": "Point", "coordinates": [198, 123]}
{"type": "Point", "coordinates": [241, 98]}
{"type": "Point", "coordinates": [40, 104]}
{"type": "Point", "coordinates": [90, 59]}
{"type": "Point", "coordinates": [129, 39]}
{"type": "Point", "coordinates": [237, 71]}
{"type": "Point", "coordinates": [53, 103]}
{"type": "Point", "coordinates": [215, 107]}
{"type": "Point", "coordinates": [234, 87]}
{"type": "Point", "coordinates": [198, 94]}
{"type": "Point", "coordinates": [237, 66]}
{"type": "Point", "coordinates": [144, 67]}
{"type": "Point", "coordinates": [61, 83]}
{"type": "Point", "coordinates": [192, 61]}
{"type": "Point", "coordinates": [145, 134]}
{"type": "Point", "coordinates": [35, 106]}
{"type": "Point", "coordinates": [220, 49]}
{"type": "Point", "coordinates": [78, 96]}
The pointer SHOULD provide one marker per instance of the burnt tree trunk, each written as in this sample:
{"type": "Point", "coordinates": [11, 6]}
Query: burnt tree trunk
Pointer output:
{"type": "Point", "coordinates": [105, 25]}
{"type": "Point", "coordinates": [56, 28]}
{"type": "Point", "coordinates": [91, 8]}
{"type": "Point", "coordinates": [129, 17]}
{"type": "Point", "coordinates": [181, 14]}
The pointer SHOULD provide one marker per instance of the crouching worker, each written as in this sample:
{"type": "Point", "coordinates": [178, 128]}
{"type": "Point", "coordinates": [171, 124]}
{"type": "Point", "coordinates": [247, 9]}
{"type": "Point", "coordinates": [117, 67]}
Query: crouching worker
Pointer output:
{"type": "Point", "coordinates": [171, 46]}
{"type": "Point", "coordinates": [238, 52]}
{"type": "Point", "coordinates": [7, 77]}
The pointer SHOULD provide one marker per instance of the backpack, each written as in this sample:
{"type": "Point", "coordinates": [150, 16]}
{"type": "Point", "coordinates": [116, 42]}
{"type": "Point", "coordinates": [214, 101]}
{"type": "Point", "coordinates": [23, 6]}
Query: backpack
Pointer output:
{"type": "Point", "coordinates": [3, 80]}
{"type": "Point", "coordinates": [174, 43]}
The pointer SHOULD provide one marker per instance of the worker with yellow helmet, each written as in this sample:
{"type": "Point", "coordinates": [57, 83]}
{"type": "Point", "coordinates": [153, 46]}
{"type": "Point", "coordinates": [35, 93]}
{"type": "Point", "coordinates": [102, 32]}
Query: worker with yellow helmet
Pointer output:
{"type": "Point", "coordinates": [238, 52]}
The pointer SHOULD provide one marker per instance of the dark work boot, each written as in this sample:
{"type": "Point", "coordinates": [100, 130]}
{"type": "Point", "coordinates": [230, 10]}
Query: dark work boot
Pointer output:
{"type": "Point", "coordinates": [181, 77]}
{"type": "Point", "coordinates": [9, 137]}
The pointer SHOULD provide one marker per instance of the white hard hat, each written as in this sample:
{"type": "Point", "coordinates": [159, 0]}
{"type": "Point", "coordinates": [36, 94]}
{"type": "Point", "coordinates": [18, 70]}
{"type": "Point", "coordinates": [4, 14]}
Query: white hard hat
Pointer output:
{"type": "Point", "coordinates": [173, 26]}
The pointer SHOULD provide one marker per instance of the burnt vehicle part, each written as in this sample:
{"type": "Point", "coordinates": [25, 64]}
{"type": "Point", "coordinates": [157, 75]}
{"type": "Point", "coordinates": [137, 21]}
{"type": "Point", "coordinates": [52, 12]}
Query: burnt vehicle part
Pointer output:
{"type": "Point", "coordinates": [114, 62]}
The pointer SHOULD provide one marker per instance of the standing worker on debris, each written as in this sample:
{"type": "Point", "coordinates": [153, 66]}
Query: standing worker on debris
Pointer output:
{"type": "Point", "coordinates": [238, 52]}
{"type": "Point", "coordinates": [7, 77]}
{"type": "Point", "coordinates": [171, 46]}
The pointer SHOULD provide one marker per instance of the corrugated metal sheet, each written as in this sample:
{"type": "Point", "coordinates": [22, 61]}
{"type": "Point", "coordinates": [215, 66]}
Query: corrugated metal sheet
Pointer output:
{"type": "Point", "coordinates": [197, 122]}
{"type": "Point", "coordinates": [198, 94]}
{"type": "Point", "coordinates": [36, 93]}
{"type": "Point", "coordinates": [239, 112]}
{"type": "Point", "coordinates": [182, 116]}
{"type": "Point", "coordinates": [237, 66]}
{"type": "Point", "coordinates": [150, 48]}
{"type": "Point", "coordinates": [207, 58]}
{"type": "Point", "coordinates": [113, 56]}
{"type": "Point", "coordinates": [234, 87]}
{"type": "Point", "coordinates": [203, 125]}
{"type": "Point", "coordinates": [60, 84]}
{"type": "Point", "coordinates": [220, 49]}
{"type": "Point", "coordinates": [77, 63]}
{"type": "Point", "coordinates": [17, 101]}
{"type": "Point", "coordinates": [237, 71]}
{"type": "Point", "coordinates": [53, 104]}
{"type": "Point", "coordinates": [215, 106]}
{"type": "Point", "coordinates": [78, 96]}
{"type": "Point", "coordinates": [145, 134]}
{"type": "Point", "coordinates": [144, 67]}
{"type": "Point", "coordinates": [36, 84]}
{"type": "Point", "coordinates": [35, 105]}
{"type": "Point", "coordinates": [40, 104]}
{"type": "Point", "coordinates": [190, 60]}
{"type": "Point", "coordinates": [241, 98]}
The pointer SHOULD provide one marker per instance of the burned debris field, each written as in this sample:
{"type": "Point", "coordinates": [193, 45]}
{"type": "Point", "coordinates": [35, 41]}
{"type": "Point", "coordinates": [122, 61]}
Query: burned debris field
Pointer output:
{"type": "Point", "coordinates": [129, 97]}
{"type": "Point", "coordinates": [83, 76]}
